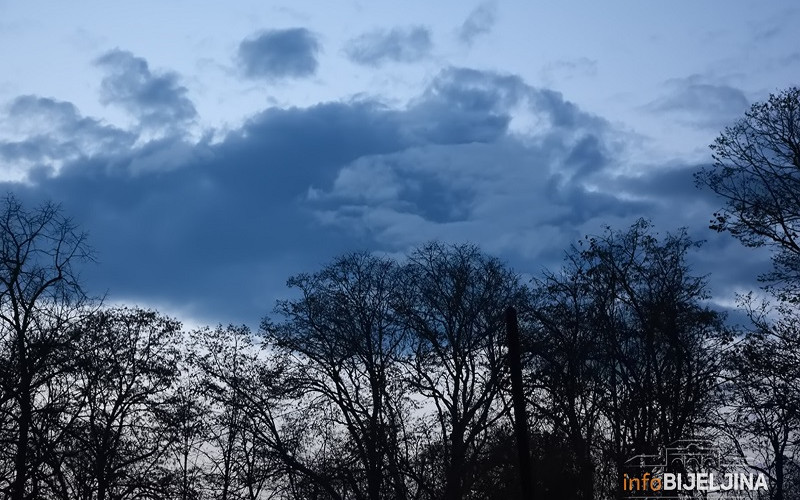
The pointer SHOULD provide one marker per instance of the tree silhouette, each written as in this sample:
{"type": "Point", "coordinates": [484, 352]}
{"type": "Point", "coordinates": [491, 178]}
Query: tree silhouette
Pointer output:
{"type": "Point", "coordinates": [240, 457]}
{"type": "Point", "coordinates": [123, 429]}
{"type": "Point", "coordinates": [624, 351]}
{"type": "Point", "coordinates": [384, 378]}
{"type": "Point", "coordinates": [762, 395]}
{"type": "Point", "coordinates": [453, 305]}
{"type": "Point", "coordinates": [40, 300]}
{"type": "Point", "coordinates": [756, 172]}
{"type": "Point", "coordinates": [345, 346]}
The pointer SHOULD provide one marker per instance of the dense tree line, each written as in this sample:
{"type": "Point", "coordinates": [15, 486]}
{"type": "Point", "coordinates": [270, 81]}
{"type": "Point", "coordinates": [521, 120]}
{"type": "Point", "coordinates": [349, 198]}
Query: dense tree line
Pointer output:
{"type": "Point", "coordinates": [386, 378]}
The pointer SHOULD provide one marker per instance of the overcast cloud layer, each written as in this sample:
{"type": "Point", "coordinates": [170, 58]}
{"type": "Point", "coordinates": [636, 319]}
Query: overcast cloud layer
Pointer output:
{"type": "Point", "coordinates": [209, 221]}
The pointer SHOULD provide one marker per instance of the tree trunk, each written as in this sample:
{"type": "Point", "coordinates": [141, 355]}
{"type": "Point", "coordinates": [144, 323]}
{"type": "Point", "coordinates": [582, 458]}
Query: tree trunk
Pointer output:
{"type": "Point", "coordinates": [453, 484]}
{"type": "Point", "coordinates": [25, 416]}
{"type": "Point", "coordinates": [778, 471]}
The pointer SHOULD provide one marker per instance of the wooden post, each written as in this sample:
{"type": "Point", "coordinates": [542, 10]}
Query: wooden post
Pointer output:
{"type": "Point", "coordinates": [518, 398]}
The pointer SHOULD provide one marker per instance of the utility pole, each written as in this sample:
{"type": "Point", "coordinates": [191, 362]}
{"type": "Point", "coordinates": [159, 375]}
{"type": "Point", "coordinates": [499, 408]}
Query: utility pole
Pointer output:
{"type": "Point", "coordinates": [518, 398]}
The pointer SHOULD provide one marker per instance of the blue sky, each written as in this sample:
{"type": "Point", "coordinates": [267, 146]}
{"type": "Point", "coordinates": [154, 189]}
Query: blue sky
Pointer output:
{"type": "Point", "coordinates": [212, 150]}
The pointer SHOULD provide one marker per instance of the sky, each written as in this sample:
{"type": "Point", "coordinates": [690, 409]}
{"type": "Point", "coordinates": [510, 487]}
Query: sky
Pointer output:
{"type": "Point", "coordinates": [212, 150]}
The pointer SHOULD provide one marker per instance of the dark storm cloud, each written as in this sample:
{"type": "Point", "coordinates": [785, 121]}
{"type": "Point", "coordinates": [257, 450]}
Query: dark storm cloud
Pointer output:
{"type": "Point", "coordinates": [403, 45]}
{"type": "Point", "coordinates": [278, 54]}
{"type": "Point", "coordinates": [211, 227]}
{"type": "Point", "coordinates": [673, 182]}
{"type": "Point", "coordinates": [700, 103]}
{"type": "Point", "coordinates": [524, 198]}
{"type": "Point", "coordinates": [155, 98]}
{"type": "Point", "coordinates": [55, 131]}
{"type": "Point", "coordinates": [214, 228]}
{"type": "Point", "coordinates": [464, 105]}
{"type": "Point", "coordinates": [468, 105]}
{"type": "Point", "coordinates": [467, 178]}
{"type": "Point", "coordinates": [479, 22]}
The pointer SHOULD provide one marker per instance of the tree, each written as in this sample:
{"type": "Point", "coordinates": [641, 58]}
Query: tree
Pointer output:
{"type": "Point", "coordinates": [567, 372]}
{"type": "Point", "coordinates": [40, 299]}
{"type": "Point", "coordinates": [344, 347]}
{"type": "Point", "coordinates": [453, 304]}
{"type": "Point", "coordinates": [239, 462]}
{"type": "Point", "coordinates": [624, 351]}
{"type": "Point", "coordinates": [284, 448]}
{"type": "Point", "coordinates": [762, 396]}
{"type": "Point", "coordinates": [756, 171]}
{"type": "Point", "coordinates": [189, 420]}
{"type": "Point", "coordinates": [123, 430]}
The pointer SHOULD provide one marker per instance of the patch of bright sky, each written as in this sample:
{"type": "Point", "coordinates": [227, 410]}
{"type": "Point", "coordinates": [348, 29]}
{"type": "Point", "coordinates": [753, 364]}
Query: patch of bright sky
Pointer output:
{"type": "Point", "coordinates": [611, 58]}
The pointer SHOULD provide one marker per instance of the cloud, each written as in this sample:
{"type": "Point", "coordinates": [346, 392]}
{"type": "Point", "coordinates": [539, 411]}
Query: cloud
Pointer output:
{"type": "Point", "coordinates": [404, 45]}
{"type": "Point", "coordinates": [155, 99]}
{"type": "Point", "coordinates": [694, 101]}
{"type": "Point", "coordinates": [568, 69]}
{"type": "Point", "coordinates": [279, 54]}
{"type": "Point", "coordinates": [479, 22]}
{"type": "Point", "coordinates": [53, 132]}
{"type": "Point", "coordinates": [214, 228]}
{"type": "Point", "coordinates": [766, 30]}
{"type": "Point", "coordinates": [465, 177]}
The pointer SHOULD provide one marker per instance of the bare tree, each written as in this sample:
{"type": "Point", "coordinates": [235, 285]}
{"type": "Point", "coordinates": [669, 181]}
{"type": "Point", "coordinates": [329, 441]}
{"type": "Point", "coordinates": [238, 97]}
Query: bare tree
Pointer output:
{"type": "Point", "coordinates": [189, 421]}
{"type": "Point", "coordinates": [756, 172]}
{"type": "Point", "coordinates": [239, 463]}
{"type": "Point", "coordinates": [762, 396]}
{"type": "Point", "coordinates": [567, 374]}
{"type": "Point", "coordinates": [453, 305]}
{"type": "Point", "coordinates": [625, 350]}
{"type": "Point", "coordinates": [258, 420]}
{"type": "Point", "coordinates": [345, 346]}
{"type": "Point", "coordinates": [123, 430]}
{"type": "Point", "coordinates": [40, 298]}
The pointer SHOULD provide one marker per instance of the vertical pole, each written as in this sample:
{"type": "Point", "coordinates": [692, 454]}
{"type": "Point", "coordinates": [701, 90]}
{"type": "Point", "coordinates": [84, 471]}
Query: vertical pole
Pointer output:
{"type": "Point", "coordinates": [518, 398]}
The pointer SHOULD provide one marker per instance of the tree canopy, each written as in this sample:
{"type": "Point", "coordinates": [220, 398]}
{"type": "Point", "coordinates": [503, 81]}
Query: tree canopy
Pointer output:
{"type": "Point", "coordinates": [756, 172]}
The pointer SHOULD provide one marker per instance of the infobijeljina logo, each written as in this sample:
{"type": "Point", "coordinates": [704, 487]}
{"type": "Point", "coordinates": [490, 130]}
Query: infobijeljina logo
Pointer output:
{"type": "Point", "coordinates": [689, 469]}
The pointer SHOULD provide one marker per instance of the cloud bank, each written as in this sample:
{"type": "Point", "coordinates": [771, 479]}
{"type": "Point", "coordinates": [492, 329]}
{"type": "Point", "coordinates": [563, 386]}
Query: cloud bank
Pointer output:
{"type": "Point", "coordinates": [213, 228]}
